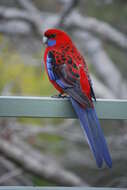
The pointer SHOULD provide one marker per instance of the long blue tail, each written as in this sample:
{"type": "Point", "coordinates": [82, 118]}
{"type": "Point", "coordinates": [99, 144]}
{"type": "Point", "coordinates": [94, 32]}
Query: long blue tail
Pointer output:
{"type": "Point", "coordinates": [93, 131]}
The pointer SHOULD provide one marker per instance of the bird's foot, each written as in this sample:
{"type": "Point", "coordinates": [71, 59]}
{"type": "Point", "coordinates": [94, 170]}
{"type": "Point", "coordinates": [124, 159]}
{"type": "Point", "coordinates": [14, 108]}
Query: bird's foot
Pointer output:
{"type": "Point", "coordinates": [60, 96]}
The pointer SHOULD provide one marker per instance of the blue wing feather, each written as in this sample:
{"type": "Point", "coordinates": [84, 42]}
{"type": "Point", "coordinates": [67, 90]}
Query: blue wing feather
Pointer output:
{"type": "Point", "coordinates": [52, 74]}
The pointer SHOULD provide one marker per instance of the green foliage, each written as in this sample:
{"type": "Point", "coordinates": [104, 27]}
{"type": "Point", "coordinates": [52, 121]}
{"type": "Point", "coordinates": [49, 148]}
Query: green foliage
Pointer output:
{"type": "Point", "coordinates": [25, 79]}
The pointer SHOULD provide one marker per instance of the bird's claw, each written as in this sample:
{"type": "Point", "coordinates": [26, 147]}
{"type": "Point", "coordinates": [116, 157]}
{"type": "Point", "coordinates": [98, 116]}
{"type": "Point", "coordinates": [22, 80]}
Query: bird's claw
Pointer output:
{"type": "Point", "coordinates": [60, 96]}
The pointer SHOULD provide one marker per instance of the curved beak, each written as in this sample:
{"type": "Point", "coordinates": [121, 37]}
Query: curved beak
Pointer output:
{"type": "Point", "coordinates": [45, 40]}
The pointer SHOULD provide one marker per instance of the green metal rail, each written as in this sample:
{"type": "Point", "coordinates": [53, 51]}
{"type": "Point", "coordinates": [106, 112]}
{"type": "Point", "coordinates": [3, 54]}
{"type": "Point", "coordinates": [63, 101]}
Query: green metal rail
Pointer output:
{"type": "Point", "coordinates": [16, 106]}
{"type": "Point", "coordinates": [57, 188]}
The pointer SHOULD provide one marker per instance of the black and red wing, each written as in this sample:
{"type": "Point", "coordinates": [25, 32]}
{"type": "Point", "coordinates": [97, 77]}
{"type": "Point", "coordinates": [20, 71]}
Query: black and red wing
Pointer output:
{"type": "Point", "coordinates": [64, 75]}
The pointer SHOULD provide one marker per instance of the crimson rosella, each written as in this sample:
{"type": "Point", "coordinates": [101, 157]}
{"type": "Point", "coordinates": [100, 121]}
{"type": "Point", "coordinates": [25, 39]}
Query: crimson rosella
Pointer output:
{"type": "Point", "coordinates": [68, 72]}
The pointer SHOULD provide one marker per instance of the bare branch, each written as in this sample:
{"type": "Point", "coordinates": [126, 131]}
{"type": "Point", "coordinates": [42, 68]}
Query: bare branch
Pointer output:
{"type": "Point", "coordinates": [39, 164]}
{"type": "Point", "coordinates": [104, 30]}
{"type": "Point", "coordinates": [15, 27]}
{"type": "Point", "coordinates": [13, 175]}
{"type": "Point", "coordinates": [8, 13]}
{"type": "Point", "coordinates": [37, 19]}
{"type": "Point", "coordinates": [10, 175]}
{"type": "Point", "coordinates": [67, 9]}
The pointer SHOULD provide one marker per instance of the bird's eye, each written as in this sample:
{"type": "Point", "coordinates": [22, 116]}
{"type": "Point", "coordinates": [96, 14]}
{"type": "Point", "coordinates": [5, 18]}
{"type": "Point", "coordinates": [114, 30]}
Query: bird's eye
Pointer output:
{"type": "Point", "coordinates": [52, 36]}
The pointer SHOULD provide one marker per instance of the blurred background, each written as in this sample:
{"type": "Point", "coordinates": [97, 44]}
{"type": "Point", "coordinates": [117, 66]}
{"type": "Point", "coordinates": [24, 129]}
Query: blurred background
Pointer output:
{"type": "Point", "coordinates": [53, 152]}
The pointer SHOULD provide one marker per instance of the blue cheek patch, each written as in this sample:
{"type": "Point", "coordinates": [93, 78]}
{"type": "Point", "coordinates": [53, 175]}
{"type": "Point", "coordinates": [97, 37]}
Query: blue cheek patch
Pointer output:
{"type": "Point", "coordinates": [51, 42]}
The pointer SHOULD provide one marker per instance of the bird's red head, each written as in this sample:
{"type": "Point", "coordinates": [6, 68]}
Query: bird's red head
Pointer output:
{"type": "Point", "coordinates": [55, 37]}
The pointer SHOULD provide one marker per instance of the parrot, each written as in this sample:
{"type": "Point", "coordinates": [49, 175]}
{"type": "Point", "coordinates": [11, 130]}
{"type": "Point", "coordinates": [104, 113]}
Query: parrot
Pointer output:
{"type": "Point", "coordinates": [68, 72]}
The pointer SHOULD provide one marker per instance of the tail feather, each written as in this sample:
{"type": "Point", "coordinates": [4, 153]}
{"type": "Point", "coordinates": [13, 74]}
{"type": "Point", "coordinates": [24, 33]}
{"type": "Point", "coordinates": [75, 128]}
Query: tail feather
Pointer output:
{"type": "Point", "coordinates": [105, 151]}
{"type": "Point", "coordinates": [85, 124]}
{"type": "Point", "coordinates": [93, 131]}
{"type": "Point", "coordinates": [91, 141]}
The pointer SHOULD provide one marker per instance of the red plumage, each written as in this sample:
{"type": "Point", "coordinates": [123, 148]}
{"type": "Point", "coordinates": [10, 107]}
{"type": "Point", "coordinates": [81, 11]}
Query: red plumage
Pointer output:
{"type": "Point", "coordinates": [65, 52]}
{"type": "Point", "coordinates": [68, 72]}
